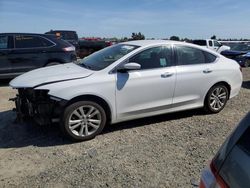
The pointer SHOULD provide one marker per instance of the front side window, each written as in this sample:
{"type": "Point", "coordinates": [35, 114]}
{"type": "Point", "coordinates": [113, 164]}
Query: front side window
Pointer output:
{"type": "Point", "coordinates": [105, 57]}
{"type": "Point", "coordinates": [3, 42]}
{"type": "Point", "coordinates": [156, 57]}
{"type": "Point", "coordinates": [25, 41]}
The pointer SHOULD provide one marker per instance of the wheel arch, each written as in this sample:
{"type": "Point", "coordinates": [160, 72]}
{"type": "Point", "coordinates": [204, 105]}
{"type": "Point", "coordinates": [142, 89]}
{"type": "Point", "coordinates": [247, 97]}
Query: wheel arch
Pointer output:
{"type": "Point", "coordinates": [228, 86]}
{"type": "Point", "coordinates": [94, 98]}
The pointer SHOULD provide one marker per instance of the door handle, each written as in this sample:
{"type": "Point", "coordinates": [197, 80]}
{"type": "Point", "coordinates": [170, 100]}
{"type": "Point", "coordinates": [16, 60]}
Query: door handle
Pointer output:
{"type": "Point", "coordinates": [207, 71]}
{"type": "Point", "coordinates": [166, 74]}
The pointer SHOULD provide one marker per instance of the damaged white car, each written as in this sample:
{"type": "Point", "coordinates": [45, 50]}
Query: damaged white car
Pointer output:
{"type": "Point", "coordinates": [126, 81]}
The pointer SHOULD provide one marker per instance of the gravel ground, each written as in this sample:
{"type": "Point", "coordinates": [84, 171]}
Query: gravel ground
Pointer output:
{"type": "Point", "coordinates": [163, 151]}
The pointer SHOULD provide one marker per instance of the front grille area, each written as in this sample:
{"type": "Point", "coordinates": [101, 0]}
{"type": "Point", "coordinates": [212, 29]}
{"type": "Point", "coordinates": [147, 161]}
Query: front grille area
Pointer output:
{"type": "Point", "coordinates": [36, 105]}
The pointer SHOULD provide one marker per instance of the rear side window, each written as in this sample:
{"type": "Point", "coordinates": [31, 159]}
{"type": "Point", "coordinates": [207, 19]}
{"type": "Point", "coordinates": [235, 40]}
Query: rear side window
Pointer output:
{"type": "Point", "coordinates": [3, 42]}
{"type": "Point", "coordinates": [210, 43]}
{"type": "Point", "coordinates": [25, 41]}
{"type": "Point", "coordinates": [244, 141]}
{"type": "Point", "coordinates": [210, 58]}
{"type": "Point", "coordinates": [192, 56]}
{"type": "Point", "coordinates": [189, 56]}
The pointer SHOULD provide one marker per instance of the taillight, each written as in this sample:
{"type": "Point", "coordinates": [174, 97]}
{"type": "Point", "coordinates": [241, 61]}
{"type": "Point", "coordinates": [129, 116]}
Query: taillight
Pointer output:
{"type": "Point", "coordinates": [69, 49]}
{"type": "Point", "coordinates": [210, 178]}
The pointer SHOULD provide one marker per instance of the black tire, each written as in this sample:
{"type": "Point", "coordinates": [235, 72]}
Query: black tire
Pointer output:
{"type": "Point", "coordinates": [52, 64]}
{"type": "Point", "coordinates": [208, 107]}
{"type": "Point", "coordinates": [69, 110]}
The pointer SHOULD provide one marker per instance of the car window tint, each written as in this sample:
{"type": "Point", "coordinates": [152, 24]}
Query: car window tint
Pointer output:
{"type": "Point", "coordinates": [23, 41]}
{"type": "Point", "coordinates": [156, 57]}
{"type": "Point", "coordinates": [3, 42]}
{"type": "Point", "coordinates": [189, 56]}
{"type": "Point", "coordinates": [210, 43]}
{"type": "Point", "coordinates": [217, 44]}
{"type": "Point", "coordinates": [209, 57]}
{"type": "Point", "coordinates": [244, 141]}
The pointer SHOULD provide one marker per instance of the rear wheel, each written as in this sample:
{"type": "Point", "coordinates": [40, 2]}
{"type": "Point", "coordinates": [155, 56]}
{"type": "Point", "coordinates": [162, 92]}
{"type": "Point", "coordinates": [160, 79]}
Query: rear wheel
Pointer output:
{"type": "Point", "coordinates": [216, 98]}
{"type": "Point", "coordinates": [83, 120]}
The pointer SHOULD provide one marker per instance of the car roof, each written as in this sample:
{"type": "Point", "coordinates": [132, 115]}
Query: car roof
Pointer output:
{"type": "Point", "coordinates": [38, 34]}
{"type": "Point", "coordinates": [61, 31]}
{"type": "Point", "coordinates": [143, 43]}
{"type": "Point", "coordinates": [147, 43]}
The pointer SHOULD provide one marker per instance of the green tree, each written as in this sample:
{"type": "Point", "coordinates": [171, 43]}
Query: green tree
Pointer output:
{"type": "Point", "coordinates": [176, 38]}
{"type": "Point", "coordinates": [213, 37]}
{"type": "Point", "coordinates": [137, 36]}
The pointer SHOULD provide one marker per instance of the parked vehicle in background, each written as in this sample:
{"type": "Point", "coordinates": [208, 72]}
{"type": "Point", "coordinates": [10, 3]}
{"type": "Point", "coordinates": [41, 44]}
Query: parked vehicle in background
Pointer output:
{"type": "Point", "coordinates": [239, 52]}
{"type": "Point", "coordinates": [69, 36]}
{"type": "Point", "coordinates": [88, 46]}
{"type": "Point", "coordinates": [22, 52]}
{"type": "Point", "coordinates": [231, 165]}
{"type": "Point", "coordinates": [211, 44]}
{"type": "Point", "coordinates": [127, 81]}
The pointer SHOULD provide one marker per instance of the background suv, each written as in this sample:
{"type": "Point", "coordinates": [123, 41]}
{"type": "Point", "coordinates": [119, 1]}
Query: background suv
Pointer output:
{"type": "Point", "coordinates": [69, 36]}
{"type": "Point", "coordinates": [22, 52]}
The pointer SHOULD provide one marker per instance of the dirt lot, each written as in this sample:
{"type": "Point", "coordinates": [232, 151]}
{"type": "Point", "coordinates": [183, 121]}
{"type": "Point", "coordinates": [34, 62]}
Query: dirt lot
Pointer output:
{"type": "Point", "coordinates": [163, 151]}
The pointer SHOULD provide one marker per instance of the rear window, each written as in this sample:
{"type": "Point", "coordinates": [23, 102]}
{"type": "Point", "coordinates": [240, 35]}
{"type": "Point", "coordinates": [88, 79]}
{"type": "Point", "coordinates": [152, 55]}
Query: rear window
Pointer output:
{"type": "Point", "coordinates": [26, 41]}
{"type": "Point", "coordinates": [244, 141]}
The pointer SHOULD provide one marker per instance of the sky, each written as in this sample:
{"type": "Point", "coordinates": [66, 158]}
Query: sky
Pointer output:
{"type": "Point", "coordinates": [119, 18]}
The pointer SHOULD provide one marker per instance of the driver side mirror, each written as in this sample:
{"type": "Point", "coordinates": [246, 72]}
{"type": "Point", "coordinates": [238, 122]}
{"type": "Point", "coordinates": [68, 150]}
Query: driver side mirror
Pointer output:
{"type": "Point", "coordinates": [129, 66]}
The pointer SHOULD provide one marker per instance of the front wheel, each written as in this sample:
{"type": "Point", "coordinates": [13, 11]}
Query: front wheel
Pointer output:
{"type": "Point", "coordinates": [216, 98]}
{"type": "Point", "coordinates": [83, 120]}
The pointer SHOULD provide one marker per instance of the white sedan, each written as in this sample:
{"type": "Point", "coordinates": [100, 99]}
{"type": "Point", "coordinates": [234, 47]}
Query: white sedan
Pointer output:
{"type": "Point", "coordinates": [126, 81]}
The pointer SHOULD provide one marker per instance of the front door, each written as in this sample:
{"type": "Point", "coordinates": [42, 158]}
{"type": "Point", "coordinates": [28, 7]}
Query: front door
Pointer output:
{"type": "Point", "coordinates": [148, 90]}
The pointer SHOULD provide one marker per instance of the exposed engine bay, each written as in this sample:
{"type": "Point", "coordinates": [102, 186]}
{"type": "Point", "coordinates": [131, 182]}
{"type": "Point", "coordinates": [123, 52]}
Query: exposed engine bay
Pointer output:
{"type": "Point", "coordinates": [38, 106]}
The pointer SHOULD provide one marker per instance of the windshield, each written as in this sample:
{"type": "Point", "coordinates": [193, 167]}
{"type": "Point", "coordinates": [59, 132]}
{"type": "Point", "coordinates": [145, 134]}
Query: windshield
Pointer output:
{"type": "Point", "coordinates": [241, 47]}
{"type": "Point", "coordinates": [105, 57]}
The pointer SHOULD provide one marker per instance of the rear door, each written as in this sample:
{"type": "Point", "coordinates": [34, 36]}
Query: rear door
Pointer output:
{"type": "Point", "coordinates": [194, 73]}
{"type": "Point", "coordinates": [30, 52]}
{"type": "Point", "coordinates": [6, 44]}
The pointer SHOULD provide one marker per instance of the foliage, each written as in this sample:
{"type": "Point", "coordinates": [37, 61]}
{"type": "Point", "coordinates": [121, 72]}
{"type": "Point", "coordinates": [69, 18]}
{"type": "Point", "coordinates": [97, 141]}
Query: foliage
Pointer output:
{"type": "Point", "coordinates": [176, 38]}
{"type": "Point", "coordinates": [137, 36]}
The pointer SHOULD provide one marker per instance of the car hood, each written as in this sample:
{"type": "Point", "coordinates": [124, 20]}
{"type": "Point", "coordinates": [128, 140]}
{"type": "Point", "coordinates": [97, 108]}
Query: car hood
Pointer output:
{"type": "Point", "coordinates": [233, 52]}
{"type": "Point", "coordinates": [49, 75]}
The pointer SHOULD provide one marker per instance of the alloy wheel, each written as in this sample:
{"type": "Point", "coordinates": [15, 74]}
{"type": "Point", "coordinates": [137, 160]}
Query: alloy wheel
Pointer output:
{"type": "Point", "coordinates": [218, 98]}
{"type": "Point", "coordinates": [85, 120]}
